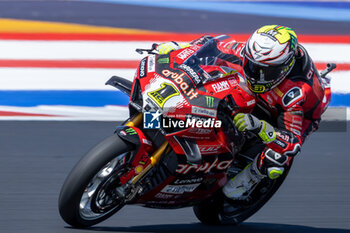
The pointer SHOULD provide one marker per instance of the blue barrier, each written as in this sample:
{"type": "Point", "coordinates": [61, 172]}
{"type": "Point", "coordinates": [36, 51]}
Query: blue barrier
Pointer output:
{"type": "Point", "coordinates": [74, 98]}
{"type": "Point", "coordinates": [328, 11]}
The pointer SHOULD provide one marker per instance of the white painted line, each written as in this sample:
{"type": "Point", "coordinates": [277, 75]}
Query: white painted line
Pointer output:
{"type": "Point", "coordinates": [126, 50]}
{"type": "Point", "coordinates": [328, 52]}
{"type": "Point", "coordinates": [71, 50]}
{"type": "Point", "coordinates": [59, 79]}
{"type": "Point", "coordinates": [340, 81]}
{"type": "Point", "coordinates": [94, 79]}
{"type": "Point", "coordinates": [107, 113]}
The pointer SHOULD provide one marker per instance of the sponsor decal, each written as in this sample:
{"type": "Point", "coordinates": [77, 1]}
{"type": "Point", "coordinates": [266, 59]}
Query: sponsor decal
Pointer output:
{"type": "Point", "coordinates": [179, 189]}
{"type": "Point", "coordinates": [145, 141]}
{"type": "Point", "coordinates": [186, 53]}
{"type": "Point", "coordinates": [208, 149]}
{"type": "Point", "coordinates": [143, 69]}
{"type": "Point", "coordinates": [310, 73]}
{"type": "Point", "coordinates": [165, 92]}
{"type": "Point", "coordinates": [200, 131]}
{"type": "Point", "coordinates": [203, 111]}
{"type": "Point", "coordinates": [251, 102]}
{"type": "Point", "coordinates": [178, 79]}
{"type": "Point", "coordinates": [164, 196]}
{"type": "Point", "coordinates": [138, 169]}
{"type": "Point", "coordinates": [209, 101]}
{"type": "Point", "coordinates": [163, 60]}
{"type": "Point", "coordinates": [143, 160]}
{"type": "Point", "coordinates": [291, 96]}
{"type": "Point", "coordinates": [205, 168]}
{"type": "Point", "coordinates": [220, 86]}
{"type": "Point", "coordinates": [151, 120]}
{"type": "Point", "coordinates": [195, 77]}
{"type": "Point", "coordinates": [122, 132]}
{"type": "Point", "coordinates": [188, 181]}
{"type": "Point", "coordinates": [269, 99]}
{"type": "Point", "coordinates": [151, 63]}
{"type": "Point", "coordinates": [130, 131]}
{"type": "Point", "coordinates": [297, 113]}
{"type": "Point", "coordinates": [233, 82]}
{"type": "Point", "coordinates": [280, 143]}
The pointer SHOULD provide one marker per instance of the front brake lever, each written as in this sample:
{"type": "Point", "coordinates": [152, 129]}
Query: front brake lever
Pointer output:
{"type": "Point", "coordinates": [149, 51]}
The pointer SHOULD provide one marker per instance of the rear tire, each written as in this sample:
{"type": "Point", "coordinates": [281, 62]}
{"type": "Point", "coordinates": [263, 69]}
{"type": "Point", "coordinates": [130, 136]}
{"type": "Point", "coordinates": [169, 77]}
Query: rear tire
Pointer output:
{"type": "Point", "coordinates": [94, 167]}
{"type": "Point", "coordinates": [221, 210]}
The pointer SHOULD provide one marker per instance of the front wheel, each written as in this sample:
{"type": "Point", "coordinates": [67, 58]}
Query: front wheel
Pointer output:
{"type": "Point", "coordinates": [221, 210]}
{"type": "Point", "coordinates": [92, 191]}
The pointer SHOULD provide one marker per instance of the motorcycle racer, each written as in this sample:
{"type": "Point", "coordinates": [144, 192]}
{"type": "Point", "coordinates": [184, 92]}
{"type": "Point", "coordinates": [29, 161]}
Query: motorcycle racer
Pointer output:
{"type": "Point", "coordinates": [291, 98]}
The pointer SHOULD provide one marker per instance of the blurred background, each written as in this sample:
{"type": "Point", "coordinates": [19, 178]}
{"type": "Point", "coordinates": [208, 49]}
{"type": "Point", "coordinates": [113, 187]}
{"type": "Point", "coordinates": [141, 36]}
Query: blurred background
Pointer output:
{"type": "Point", "coordinates": [55, 57]}
{"type": "Point", "coordinates": [58, 54]}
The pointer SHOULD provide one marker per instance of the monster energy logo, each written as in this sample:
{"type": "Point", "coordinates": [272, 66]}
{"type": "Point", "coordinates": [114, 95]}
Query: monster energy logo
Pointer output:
{"type": "Point", "coordinates": [130, 131]}
{"type": "Point", "coordinates": [210, 101]}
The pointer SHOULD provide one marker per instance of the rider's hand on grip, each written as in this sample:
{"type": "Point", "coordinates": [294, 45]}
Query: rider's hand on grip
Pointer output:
{"type": "Point", "coordinates": [245, 122]}
{"type": "Point", "coordinates": [165, 48]}
{"type": "Point", "coordinates": [249, 122]}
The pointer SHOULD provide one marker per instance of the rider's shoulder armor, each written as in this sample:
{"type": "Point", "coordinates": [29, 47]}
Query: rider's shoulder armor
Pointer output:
{"type": "Point", "coordinates": [302, 88]}
{"type": "Point", "coordinates": [304, 67]}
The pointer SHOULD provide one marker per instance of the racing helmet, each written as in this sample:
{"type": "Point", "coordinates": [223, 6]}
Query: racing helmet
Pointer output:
{"type": "Point", "coordinates": [268, 57]}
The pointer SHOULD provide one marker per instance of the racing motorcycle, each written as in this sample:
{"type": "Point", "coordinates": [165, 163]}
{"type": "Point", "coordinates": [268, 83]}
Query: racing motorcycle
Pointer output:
{"type": "Point", "coordinates": [178, 147]}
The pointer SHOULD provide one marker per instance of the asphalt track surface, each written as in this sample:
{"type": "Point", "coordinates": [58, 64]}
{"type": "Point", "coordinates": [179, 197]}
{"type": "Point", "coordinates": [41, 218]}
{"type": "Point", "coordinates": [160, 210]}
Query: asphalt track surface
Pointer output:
{"type": "Point", "coordinates": [35, 158]}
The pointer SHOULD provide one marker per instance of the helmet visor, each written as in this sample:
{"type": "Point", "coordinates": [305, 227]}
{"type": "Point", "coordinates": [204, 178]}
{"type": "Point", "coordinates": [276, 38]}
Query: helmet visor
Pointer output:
{"type": "Point", "coordinates": [259, 73]}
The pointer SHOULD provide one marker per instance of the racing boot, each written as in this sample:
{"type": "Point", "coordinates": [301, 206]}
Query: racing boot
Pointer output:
{"type": "Point", "coordinates": [240, 186]}
{"type": "Point", "coordinates": [268, 164]}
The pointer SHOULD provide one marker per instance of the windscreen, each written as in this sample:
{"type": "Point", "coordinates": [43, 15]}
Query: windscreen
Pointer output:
{"type": "Point", "coordinates": [207, 55]}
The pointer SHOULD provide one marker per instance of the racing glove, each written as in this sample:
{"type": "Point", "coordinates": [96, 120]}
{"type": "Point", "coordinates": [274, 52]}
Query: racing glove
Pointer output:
{"type": "Point", "coordinates": [249, 122]}
{"type": "Point", "coordinates": [165, 48]}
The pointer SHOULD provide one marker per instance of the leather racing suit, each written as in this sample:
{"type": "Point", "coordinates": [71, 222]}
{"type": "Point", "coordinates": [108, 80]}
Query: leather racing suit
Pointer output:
{"type": "Point", "coordinates": [293, 108]}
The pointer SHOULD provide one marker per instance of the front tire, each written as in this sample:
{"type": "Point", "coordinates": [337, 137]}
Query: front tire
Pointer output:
{"type": "Point", "coordinates": [90, 192]}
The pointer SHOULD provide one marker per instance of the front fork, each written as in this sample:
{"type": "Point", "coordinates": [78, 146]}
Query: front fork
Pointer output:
{"type": "Point", "coordinates": [156, 155]}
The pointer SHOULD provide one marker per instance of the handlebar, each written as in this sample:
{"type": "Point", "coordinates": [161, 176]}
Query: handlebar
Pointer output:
{"type": "Point", "coordinates": [330, 67]}
{"type": "Point", "coordinates": [149, 51]}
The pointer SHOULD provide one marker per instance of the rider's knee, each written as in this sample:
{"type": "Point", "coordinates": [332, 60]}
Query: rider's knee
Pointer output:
{"type": "Point", "coordinates": [271, 163]}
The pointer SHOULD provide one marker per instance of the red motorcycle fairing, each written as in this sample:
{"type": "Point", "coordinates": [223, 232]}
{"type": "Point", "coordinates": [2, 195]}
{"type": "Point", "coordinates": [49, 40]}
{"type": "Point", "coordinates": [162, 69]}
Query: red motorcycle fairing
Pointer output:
{"type": "Point", "coordinates": [190, 183]}
{"type": "Point", "coordinates": [178, 193]}
{"type": "Point", "coordinates": [143, 145]}
{"type": "Point", "coordinates": [164, 83]}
